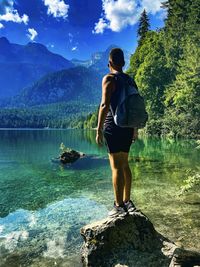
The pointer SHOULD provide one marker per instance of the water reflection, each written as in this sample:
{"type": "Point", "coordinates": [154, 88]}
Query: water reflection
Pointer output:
{"type": "Point", "coordinates": [52, 232]}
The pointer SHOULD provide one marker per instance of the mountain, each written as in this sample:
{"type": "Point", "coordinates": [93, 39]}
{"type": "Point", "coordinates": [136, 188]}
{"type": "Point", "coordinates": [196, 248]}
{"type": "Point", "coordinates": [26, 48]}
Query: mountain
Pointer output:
{"type": "Point", "coordinates": [84, 63]}
{"type": "Point", "coordinates": [74, 84]}
{"type": "Point", "coordinates": [61, 98]}
{"type": "Point", "coordinates": [99, 60]}
{"type": "Point", "coordinates": [21, 65]}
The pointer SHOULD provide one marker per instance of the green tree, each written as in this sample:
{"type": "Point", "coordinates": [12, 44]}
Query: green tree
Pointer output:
{"type": "Point", "coordinates": [175, 31]}
{"type": "Point", "coordinates": [143, 26]}
{"type": "Point", "coordinates": [93, 120]}
{"type": "Point", "coordinates": [166, 68]}
{"type": "Point", "coordinates": [151, 75]}
{"type": "Point", "coordinates": [182, 98]}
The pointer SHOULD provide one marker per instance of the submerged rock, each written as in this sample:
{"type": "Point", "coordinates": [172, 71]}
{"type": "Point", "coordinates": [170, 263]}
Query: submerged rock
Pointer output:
{"type": "Point", "coordinates": [130, 241]}
{"type": "Point", "coordinates": [68, 156]}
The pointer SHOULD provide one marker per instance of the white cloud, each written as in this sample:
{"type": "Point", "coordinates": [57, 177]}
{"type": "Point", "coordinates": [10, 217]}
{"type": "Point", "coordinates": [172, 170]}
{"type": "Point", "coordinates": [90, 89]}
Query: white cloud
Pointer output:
{"type": "Point", "coordinates": [11, 14]}
{"type": "Point", "coordinates": [100, 26]}
{"type": "Point", "coordinates": [1, 26]}
{"type": "Point", "coordinates": [32, 34]}
{"type": "Point", "coordinates": [74, 48]}
{"type": "Point", "coordinates": [151, 6]}
{"type": "Point", "coordinates": [57, 8]}
{"type": "Point", "coordinates": [118, 14]}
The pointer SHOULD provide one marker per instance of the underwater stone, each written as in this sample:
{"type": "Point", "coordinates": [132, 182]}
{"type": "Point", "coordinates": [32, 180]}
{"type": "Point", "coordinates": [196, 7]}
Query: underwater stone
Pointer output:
{"type": "Point", "coordinates": [127, 241]}
{"type": "Point", "coordinates": [68, 156]}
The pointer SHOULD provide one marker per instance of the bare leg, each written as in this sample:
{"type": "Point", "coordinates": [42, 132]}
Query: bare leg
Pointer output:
{"type": "Point", "coordinates": [116, 164]}
{"type": "Point", "coordinates": [128, 181]}
{"type": "Point", "coordinates": [118, 185]}
{"type": "Point", "coordinates": [127, 178]}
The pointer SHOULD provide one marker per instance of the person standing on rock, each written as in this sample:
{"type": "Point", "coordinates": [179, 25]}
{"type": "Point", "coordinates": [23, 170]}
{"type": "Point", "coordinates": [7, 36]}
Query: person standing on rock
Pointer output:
{"type": "Point", "coordinates": [118, 139]}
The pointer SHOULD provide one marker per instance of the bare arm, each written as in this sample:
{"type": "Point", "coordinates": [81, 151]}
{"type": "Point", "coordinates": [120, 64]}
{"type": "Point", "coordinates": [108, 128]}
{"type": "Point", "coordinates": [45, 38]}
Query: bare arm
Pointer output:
{"type": "Point", "coordinates": [107, 89]}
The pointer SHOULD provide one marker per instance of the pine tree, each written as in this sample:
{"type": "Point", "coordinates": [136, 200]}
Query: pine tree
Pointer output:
{"type": "Point", "coordinates": [192, 25]}
{"type": "Point", "coordinates": [178, 12]}
{"type": "Point", "coordinates": [175, 31]}
{"type": "Point", "coordinates": [143, 25]}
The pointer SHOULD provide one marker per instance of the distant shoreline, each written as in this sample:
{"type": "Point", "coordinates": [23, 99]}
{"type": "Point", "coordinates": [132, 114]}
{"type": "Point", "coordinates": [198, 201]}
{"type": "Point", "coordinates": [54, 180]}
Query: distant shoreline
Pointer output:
{"type": "Point", "coordinates": [93, 129]}
{"type": "Point", "coordinates": [46, 129]}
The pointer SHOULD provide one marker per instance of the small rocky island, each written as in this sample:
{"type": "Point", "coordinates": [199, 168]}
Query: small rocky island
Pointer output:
{"type": "Point", "coordinates": [67, 155]}
{"type": "Point", "coordinates": [131, 241]}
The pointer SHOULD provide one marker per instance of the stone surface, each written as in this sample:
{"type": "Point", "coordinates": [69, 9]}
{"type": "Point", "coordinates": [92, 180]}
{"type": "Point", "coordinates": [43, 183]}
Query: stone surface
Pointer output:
{"type": "Point", "coordinates": [130, 241]}
{"type": "Point", "coordinates": [185, 258]}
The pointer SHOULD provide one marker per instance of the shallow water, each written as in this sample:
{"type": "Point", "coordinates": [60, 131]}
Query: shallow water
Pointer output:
{"type": "Point", "coordinates": [43, 205]}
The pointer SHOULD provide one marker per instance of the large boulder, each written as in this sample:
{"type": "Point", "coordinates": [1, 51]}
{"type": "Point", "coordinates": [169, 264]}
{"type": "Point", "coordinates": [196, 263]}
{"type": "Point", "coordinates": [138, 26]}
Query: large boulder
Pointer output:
{"type": "Point", "coordinates": [129, 241]}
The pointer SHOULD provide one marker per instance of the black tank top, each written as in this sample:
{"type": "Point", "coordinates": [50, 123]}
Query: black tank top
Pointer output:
{"type": "Point", "coordinates": [109, 124]}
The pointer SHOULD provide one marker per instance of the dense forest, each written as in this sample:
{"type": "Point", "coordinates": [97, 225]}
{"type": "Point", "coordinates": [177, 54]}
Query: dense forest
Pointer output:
{"type": "Point", "coordinates": [60, 99]}
{"type": "Point", "coordinates": [57, 115]}
{"type": "Point", "coordinates": [166, 68]}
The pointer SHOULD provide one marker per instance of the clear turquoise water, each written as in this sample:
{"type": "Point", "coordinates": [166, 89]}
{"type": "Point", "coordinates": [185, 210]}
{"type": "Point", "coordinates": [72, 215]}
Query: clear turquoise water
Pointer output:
{"type": "Point", "coordinates": [43, 205]}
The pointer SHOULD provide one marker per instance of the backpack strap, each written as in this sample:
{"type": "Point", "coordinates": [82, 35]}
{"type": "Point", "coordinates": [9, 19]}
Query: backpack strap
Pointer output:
{"type": "Point", "coordinates": [115, 77]}
{"type": "Point", "coordinates": [126, 80]}
{"type": "Point", "coordinates": [121, 81]}
{"type": "Point", "coordinates": [118, 77]}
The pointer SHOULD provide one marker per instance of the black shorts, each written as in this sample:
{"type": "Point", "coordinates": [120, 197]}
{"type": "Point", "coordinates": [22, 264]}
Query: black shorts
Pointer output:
{"type": "Point", "coordinates": [118, 140]}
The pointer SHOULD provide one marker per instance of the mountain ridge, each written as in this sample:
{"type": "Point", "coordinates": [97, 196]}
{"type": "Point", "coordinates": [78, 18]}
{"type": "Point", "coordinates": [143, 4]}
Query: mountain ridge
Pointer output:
{"type": "Point", "coordinates": [26, 64]}
{"type": "Point", "coordinates": [99, 60]}
{"type": "Point", "coordinates": [77, 84]}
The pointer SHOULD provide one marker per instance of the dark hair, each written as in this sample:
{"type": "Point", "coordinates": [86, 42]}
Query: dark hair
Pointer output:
{"type": "Point", "coordinates": [117, 56]}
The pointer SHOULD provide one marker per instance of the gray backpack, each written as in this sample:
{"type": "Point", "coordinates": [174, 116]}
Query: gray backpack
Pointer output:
{"type": "Point", "coordinates": [130, 110]}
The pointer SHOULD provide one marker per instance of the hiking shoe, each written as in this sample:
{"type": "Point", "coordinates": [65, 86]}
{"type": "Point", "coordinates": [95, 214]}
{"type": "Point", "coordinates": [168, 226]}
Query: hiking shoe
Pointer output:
{"type": "Point", "coordinates": [130, 206]}
{"type": "Point", "coordinates": [117, 211]}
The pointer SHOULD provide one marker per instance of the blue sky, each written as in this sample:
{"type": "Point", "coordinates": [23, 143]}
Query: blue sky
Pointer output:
{"type": "Point", "coordinates": [77, 28]}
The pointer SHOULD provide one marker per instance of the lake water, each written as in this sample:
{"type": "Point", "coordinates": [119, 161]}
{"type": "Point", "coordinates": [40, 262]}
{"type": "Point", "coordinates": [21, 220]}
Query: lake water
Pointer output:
{"type": "Point", "coordinates": [43, 205]}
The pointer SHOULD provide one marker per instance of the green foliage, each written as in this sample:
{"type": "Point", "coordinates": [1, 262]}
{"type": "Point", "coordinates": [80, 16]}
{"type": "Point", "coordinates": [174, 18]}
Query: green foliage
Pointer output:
{"type": "Point", "coordinates": [198, 144]}
{"type": "Point", "coordinates": [151, 74]}
{"type": "Point", "coordinates": [166, 68]}
{"type": "Point", "coordinates": [74, 84]}
{"type": "Point", "coordinates": [153, 127]}
{"type": "Point", "coordinates": [60, 115]}
{"type": "Point", "coordinates": [175, 30]}
{"type": "Point", "coordinates": [91, 120]}
{"type": "Point", "coordinates": [191, 183]}
{"type": "Point", "coordinates": [182, 97]}
{"type": "Point", "coordinates": [63, 148]}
